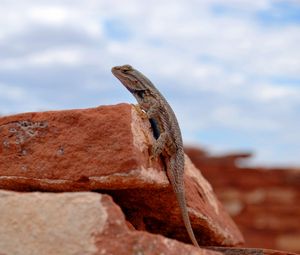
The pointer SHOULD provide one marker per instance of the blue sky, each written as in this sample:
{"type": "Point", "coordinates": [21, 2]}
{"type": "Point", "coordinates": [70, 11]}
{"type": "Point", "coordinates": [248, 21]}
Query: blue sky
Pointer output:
{"type": "Point", "coordinates": [230, 69]}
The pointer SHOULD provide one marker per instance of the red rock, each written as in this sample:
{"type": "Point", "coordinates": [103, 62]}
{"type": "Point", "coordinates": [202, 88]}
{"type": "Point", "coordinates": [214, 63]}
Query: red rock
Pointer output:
{"type": "Point", "coordinates": [249, 251]}
{"type": "Point", "coordinates": [264, 202]}
{"type": "Point", "coordinates": [107, 149]}
{"type": "Point", "coordinates": [75, 223]}
{"type": "Point", "coordinates": [69, 150]}
{"type": "Point", "coordinates": [210, 223]}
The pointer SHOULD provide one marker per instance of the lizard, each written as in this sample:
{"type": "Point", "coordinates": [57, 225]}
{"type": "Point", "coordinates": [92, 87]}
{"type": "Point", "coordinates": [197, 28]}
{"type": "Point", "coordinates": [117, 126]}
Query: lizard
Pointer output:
{"type": "Point", "coordinates": [166, 130]}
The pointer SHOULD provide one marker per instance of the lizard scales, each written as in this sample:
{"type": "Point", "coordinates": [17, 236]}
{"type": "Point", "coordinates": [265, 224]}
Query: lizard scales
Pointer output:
{"type": "Point", "coordinates": [166, 131]}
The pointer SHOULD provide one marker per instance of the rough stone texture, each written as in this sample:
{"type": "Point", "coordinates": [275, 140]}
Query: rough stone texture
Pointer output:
{"type": "Point", "coordinates": [73, 150]}
{"type": "Point", "coordinates": [159, 213]}
{"type": "Point", "coordinates": [75, 223]}
{"type": "Point", "coordinates": [263, 202]}
{"type": "Point", "coordinates": [249, 251]}
{"type": "Point", "coordinates": [107, 149]}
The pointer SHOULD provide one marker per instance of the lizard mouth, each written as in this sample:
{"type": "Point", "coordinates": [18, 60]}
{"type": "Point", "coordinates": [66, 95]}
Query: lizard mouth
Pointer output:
{"type": "Point", "coordinates": [115, 70]}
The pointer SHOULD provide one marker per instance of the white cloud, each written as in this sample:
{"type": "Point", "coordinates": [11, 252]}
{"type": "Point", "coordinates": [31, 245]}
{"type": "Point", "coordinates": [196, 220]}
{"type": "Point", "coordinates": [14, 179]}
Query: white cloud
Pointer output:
{"type": "Point", "coordinates": [53, 57]}
{"type": "Point", "coordinates": [229, 60]}
{"type": "Point", "coordinates": [59, 56]}
{"type": "Point", "coordinates": [267, 93]}
{"type": "Point", "coordinates": [49, 15]}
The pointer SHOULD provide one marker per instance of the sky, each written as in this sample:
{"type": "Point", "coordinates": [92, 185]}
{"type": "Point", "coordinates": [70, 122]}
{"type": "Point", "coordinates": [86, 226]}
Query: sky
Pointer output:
{"type": "Point", "coordinates": [230, 69]}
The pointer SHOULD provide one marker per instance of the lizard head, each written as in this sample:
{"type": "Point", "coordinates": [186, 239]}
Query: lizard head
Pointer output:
{"type": "Point", "coordinates": [133, 80]}
{"type": "Point", "coordinates": [128, 76]}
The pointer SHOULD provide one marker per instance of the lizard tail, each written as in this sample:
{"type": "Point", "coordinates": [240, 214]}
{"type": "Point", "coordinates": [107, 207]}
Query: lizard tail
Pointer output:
{"type": "Point", "coordinates": [185, 215]}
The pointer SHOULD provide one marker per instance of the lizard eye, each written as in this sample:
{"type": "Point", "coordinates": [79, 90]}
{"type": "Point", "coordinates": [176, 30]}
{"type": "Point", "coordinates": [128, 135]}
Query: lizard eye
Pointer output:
{"type": "Point", "coordinates": [126, 68]}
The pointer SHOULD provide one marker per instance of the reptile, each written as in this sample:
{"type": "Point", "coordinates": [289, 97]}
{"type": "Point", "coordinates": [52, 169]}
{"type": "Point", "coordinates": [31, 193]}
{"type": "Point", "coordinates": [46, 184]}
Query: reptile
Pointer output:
{"type": "Point", "coordinates": [167, 134]}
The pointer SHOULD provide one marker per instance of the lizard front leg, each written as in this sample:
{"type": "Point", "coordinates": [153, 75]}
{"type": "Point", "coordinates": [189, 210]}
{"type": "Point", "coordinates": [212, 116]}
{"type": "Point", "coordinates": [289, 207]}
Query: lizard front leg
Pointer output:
{"type": "Point", "coordinates": [151, 107]}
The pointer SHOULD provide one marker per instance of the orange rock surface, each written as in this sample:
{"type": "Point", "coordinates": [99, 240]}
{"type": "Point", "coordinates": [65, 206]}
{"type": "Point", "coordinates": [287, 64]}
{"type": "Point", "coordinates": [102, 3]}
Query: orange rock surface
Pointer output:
{"type": "Point", "coordinates": [249, 251]}
{"type": "Point", "coordinates": [264, 202]}
{"type": "Point", "coordinates": [106, 149]}
{"type": "Point", "coordinates": [75, 223]}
